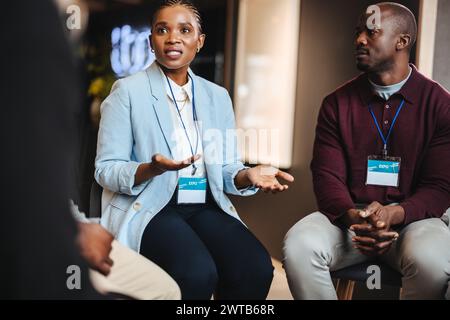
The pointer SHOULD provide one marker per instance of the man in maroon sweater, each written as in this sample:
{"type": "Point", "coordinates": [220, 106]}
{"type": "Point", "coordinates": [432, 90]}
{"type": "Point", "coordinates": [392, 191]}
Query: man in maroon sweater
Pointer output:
{"type": "Point", "coordinates": [381, 170]}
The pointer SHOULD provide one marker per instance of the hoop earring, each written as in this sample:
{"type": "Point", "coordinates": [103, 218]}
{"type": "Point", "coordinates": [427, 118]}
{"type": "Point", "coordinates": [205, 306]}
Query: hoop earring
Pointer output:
{"type": "Point", "coordinates": [198, 49]}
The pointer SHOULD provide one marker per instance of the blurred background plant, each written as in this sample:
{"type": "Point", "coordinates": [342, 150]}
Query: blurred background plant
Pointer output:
{"type": "Point", "coordinates": [101, 77]}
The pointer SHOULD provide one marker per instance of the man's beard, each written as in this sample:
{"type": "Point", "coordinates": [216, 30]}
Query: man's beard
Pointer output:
{"type": "Point", "coordinates": [363, 67]}
{"type": "Point", "coordinates": [379, 67]}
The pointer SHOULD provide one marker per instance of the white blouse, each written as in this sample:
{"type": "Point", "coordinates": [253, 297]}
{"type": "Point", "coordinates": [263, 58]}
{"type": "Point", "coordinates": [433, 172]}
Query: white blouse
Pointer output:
{"type": "Point", "coordinates": [182, 151]}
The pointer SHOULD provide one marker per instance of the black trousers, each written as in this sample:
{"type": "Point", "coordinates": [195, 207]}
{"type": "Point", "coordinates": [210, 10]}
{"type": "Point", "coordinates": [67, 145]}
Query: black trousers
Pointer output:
{"type": "Point", "coordinates": [208, 252]}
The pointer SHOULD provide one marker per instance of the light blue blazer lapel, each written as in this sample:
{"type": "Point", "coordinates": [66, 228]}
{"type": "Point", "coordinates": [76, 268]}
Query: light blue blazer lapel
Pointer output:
{"type": "Point", "coordinates": [161, 105]}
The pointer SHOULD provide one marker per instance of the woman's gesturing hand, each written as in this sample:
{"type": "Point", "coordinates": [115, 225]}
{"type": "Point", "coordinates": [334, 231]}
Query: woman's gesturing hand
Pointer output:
{"type": "Point", "coordinates": [159, 165]}
{"type": "Point", "coordinates": [263, 177]}
{"type": "Point", "coordinates": [162, 164]}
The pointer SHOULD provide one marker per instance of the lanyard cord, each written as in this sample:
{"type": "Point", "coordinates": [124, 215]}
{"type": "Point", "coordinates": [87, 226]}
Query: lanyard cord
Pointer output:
{"type": "Point", "coordinates": [385, 139]}
{"type": "Point", "coordinates": [194, 167]}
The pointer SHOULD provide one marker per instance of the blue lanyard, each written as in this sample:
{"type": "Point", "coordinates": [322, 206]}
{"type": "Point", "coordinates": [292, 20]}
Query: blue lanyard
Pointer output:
{"type": "Point", "coordinates": [385, 139]}
{"type": "Point", "coordinates": [194, 116]}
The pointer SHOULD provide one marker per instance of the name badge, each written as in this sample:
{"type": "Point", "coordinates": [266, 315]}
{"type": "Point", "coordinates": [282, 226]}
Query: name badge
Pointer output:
{"type": "Point", "coordinates": [191, 190]}
{"type": "Point", "coordinates": [383, 171]}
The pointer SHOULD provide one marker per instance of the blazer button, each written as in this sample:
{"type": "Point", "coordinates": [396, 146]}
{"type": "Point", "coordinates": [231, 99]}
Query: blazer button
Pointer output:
{"type": "Point", "coordinates": [137, 206]}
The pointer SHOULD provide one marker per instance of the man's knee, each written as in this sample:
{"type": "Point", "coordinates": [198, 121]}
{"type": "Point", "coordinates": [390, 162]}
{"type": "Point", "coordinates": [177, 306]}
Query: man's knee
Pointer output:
{"type": "Point", "coordinates": [428, 275]}
{"type": "Point", "coordinates": [304, 242]}
{"type": "Point", "coordinates": [425, 263]}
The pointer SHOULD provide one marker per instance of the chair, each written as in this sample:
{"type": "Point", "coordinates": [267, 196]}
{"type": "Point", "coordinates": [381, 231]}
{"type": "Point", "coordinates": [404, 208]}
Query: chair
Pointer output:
{"type": "Point", "coordinates": [347, 277]}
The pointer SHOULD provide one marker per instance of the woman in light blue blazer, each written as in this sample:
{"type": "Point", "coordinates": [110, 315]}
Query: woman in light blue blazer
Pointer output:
{"type": "Point", "coordinates": [173, 211]}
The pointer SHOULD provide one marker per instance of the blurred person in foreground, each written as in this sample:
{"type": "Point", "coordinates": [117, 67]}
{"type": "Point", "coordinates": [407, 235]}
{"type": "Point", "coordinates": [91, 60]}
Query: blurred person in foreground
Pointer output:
{"type": "Point", "coordinates": [44, 253]}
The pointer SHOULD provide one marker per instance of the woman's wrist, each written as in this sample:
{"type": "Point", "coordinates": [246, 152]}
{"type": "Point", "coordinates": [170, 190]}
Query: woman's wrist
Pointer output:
{"type": "Point", "coordinates": [153, 170]}
{"type": "Point", "coordinates": [145, 172]}
{"type": "Point", "coordinates": [242, 181]}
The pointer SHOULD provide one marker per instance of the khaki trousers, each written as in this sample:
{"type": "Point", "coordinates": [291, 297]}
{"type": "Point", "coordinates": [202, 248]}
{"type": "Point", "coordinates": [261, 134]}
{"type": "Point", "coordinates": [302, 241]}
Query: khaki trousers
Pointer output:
{"type": "Point", "coordinates": [135, 276]}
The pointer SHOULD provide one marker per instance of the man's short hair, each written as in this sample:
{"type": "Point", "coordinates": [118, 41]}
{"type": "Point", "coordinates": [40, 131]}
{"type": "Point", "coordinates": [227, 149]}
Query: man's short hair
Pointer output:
{"type": "Point", "coordinates": [404, 20]}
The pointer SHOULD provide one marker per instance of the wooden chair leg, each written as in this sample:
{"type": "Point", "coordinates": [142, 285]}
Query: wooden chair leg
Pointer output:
{"type": "Point", "coordinates": [344, 289]}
